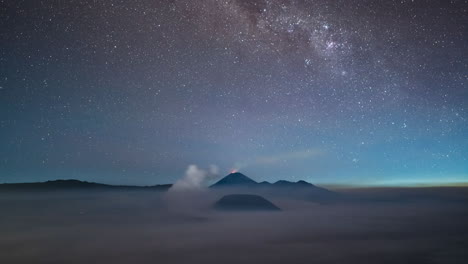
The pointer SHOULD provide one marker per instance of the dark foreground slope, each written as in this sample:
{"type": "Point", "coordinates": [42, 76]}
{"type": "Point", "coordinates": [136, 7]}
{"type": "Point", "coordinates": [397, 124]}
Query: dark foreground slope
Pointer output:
{"type": "Point", "coordinates": [245, 202]}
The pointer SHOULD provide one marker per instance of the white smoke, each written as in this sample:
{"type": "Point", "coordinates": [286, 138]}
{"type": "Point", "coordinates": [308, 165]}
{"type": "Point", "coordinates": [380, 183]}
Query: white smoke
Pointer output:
{"type": "Point", "coordinates": [195, 178]}
{"type": "Point", "coordinates": [187, 194]}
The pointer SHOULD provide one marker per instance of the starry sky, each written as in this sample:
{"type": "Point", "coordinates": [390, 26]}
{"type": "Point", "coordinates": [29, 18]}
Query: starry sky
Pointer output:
{"type": "Point", "coordinates": [355, 92]}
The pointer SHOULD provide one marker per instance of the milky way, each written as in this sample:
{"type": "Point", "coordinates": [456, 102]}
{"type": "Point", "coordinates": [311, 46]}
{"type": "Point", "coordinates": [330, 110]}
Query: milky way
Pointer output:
{"type": "Point", "coordinates": [346, 92]}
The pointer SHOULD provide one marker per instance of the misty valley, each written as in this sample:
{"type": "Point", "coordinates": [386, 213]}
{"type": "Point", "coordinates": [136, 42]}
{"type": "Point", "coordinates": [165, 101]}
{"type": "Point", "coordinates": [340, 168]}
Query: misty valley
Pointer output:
{"type": "Point", "coordinates": [236, 220]}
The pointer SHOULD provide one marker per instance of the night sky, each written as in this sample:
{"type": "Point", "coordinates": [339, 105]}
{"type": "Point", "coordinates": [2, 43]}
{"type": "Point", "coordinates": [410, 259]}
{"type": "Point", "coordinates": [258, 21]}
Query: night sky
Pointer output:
{"type": "Point", "coordinates": [333, 92]}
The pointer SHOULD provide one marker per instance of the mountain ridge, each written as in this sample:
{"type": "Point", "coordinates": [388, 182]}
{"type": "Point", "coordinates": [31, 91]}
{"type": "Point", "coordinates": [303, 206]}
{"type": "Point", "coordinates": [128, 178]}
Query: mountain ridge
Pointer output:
{"type": "Point", "coordinates": [295, 190]}
{"type": "Point", "coordinates": [239, 179]}
{"type": "Point", "coordinates": [73, 184]}
{"type": "Point", "coordinates": [232, 180]}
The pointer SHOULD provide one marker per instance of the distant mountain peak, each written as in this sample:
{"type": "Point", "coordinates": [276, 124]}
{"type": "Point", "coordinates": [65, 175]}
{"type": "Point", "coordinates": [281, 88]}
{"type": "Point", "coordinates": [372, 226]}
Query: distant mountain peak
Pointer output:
{"type": "Point", "coordinates": [301, 183]}
{"type": "Point", "coordinates": [235, 179]}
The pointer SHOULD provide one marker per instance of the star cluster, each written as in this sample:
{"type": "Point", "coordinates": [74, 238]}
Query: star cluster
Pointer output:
{"type": "Point", "coordinates": [332, 91]}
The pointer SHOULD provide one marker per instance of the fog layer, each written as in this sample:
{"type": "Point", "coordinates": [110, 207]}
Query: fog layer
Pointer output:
{"type": "Point", "coordinates": [146, 227]}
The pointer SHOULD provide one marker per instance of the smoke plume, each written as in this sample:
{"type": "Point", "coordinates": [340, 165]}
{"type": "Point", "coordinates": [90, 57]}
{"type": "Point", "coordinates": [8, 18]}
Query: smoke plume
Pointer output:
{"type": "Point", "coordinates": [195, 178]}
{"type": "Point", "coordinates": [187, 193]}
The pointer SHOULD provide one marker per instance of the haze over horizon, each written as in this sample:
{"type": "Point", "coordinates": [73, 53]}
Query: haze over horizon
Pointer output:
{"type": "Point", "coordinates": [330, 185]}
{"type": "Point", "coordinates": [339, 92]}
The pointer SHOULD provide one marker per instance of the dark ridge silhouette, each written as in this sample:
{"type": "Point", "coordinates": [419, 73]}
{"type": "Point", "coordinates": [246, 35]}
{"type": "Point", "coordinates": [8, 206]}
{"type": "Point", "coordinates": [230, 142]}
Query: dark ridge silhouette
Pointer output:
{"type": "Point", "coordinates": [235, 179]}
{"type": "Point", "coordinates": [303, 185]}
{"type": "Point", "coordinates": [245, 202]}
{"type": "Point", "coordinates": [75, 185]}
{"type": "Point", "coordinates": [301, 190]}
{"type": "Point", "coordinates": [235, 182]}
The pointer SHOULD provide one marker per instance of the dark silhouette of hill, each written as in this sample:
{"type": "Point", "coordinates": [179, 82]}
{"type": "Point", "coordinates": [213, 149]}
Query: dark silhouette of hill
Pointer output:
{"type": "Point", "coordinates": [301, 183]}
{"type": "Point", "coordinates": [295, 190]}
{"type": "Point", "coordinates": [300, 186]}
{"type": "Point", "coordinates": [245, 202]}
{"type": "Point", "coordinates": [235, 182]}
{"type": "Point", "coordinates": [75, 185]}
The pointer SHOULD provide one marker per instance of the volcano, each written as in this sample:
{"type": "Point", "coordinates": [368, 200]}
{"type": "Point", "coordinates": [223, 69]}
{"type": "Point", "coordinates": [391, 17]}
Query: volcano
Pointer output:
{"type": "Point", "coordinates": [235, 179]}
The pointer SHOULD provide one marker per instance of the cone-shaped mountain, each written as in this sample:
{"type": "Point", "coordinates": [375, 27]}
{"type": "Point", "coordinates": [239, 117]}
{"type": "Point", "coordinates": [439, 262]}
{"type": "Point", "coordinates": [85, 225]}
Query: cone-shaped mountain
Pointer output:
{"type": "Point", "coordinates": [235, 179]}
